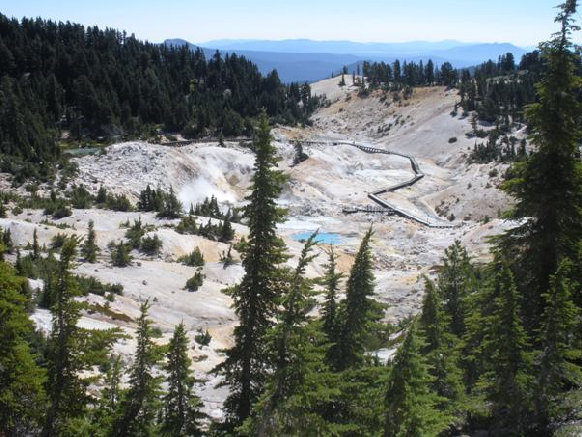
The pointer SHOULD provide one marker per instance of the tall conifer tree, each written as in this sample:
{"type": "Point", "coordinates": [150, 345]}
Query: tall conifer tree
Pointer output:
{"type": "Point", "coordinates": [331, 281]}
{"type": "Point", "coordinates": [181, 406]}
{"type": "Point", "coordinates": [508, 381]}
{"type": "Point", "coordinates": [299, 385]}
{"type": "Point", "coordinates": [22, 397]}
{"type": "Point", "coordinates": [110, 395]}
{"type": "Point", "coordinates": [355, 315]}
{"type": "Point", "coordinates": [440, 350]}
{"type": "Point", "coordinates": [255, 298]}
{"type": "Point", "coordinates": [548, 186]}
{"type": "Point", "coordinates": [90, 249]}
{"type": "Point", "coordinates": [455, 284]}
{"type": "Point", "coordinates": [139, 407]}
{"type": "Point", "coordinates": [35, 246]}
{"type": "Point", "coordinates": [411, 407]}
{"type": "Point", "coordinates": [66, 390]}
{"type": "Point", "coordinates": [558, 368]}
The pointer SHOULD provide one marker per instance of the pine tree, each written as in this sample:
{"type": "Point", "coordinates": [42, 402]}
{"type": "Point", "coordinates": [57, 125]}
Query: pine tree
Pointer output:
{"type": "Point", "coordinates": [429, 72]}
{"type": "Point", "coordinates": [448, 75]}
{"type": "Point", "coordinates": [90, 249]}
{"type": "Point", "coordinates": [22, 397]}
{"type": "Point", "coordinates": [480, 309]}
{"type": "Point", "coordinates": [7, 241]}
{"type": "Point", "coordinates": [441, 351]}
{"type": "Point", "coordinates": [548, 185]}
{"type": "Point", "coordinates": [181, 406]}
{"type": "Point", "coordinates": [139, 407]}
{"type": "Point", "coordinates": [35, 246]}
{"type": "Point", "coordinates": [110, 396]}
{"type": "Point", "coordinates": [146, 200]}
{"type": "Point", "coordinates": [226, 258]}
{"type": "Point", "coordinates": [558, 355]}
{"type": "Point", "coordinates": [355, 315]}
{"type": "Point", "coordinates": [101, 198]}
{"type": "Point", "coordinates": [508, 381]}
{"type": "Point", "coordinates": [195, 282]}
{"type": "Point", "coordinates": [299, 385]}
{"type": "Point", "coordinates": [455, 284]}
{"type": "Point", "coordinates": [254, 299]}
{"type": "Point", "coordinates": [226, 232]}
{"type": "Point", "coordinates": [193, 259]}
{"type": "Point", "coordinates": [134, 233]}
{"type": "Point", "coordinates": [66, 349]}
{"type": "Point", "coordinates": [18, 263]}
{"type": "Point", "coordinates": [171, 206]}
{"type": "Point", "coordinates": [214, 208]}
{"type": "Point", "coordinates": [411, 407]}
{"type": "Point", "coordinates": [120, 254]}
{"type": "Point", "coordinates": [331, 281]}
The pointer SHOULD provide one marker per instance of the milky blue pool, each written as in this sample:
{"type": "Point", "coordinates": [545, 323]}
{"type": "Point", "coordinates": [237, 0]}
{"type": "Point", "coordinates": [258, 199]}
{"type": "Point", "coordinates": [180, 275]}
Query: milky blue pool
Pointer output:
{"type": "Point", "coordinates": [323, 237]}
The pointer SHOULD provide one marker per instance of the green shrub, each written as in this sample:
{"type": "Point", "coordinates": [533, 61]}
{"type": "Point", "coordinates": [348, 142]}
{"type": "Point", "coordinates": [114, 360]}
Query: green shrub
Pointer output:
{"type": "Point", "coordinates": [101, 198]}
{"type": "Point", "coordinates": [57, 241]}
{"type": "Point", "coordinates": [157, 332]}
{"type": "Point", "coordinates": [151, 245]}
{"type": "Point", "coordinates": [90, 285]}
{"type": "Point", "coordinates": [171, 207]}
{"type": "Point", "coordinates": [61, 211]}
{"type": "Point", "coordinates": [120, 254]}
{"type": "Point", "coordinates": [187, 226]}
{"type": "Point", "coordinates": [80, 198]}
{"type": "Point", "coordinates": [135, 233]}
{"type": "Point", "coordinates": [195, 282]}
{"type": "Point", "coordinates": [226, 258]}
{"type": "Point", "coordinates": [7, 240]}
{"type": "Point", "coordinates": [203, 338]}
{"type": "Point", "coordinates": [118, 202]}
{"type": "Point", "coordinates": [57, 207]}
{"type": "Point", "coordinates": [193, 259]}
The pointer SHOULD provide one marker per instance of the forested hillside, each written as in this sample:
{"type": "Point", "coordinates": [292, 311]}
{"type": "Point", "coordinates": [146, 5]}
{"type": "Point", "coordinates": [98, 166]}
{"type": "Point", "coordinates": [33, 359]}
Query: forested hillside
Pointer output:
{"type": "Point", "coordinates": [58, 78]}
{"type": "Point", "coordinates": [494, 346]}
{"type": "Point", "coordinates": [494, 94]}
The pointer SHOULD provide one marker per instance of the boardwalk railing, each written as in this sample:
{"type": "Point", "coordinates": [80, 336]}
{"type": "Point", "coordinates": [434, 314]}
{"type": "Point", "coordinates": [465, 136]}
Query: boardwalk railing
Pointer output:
{"type": "Point", "coordinates": [204, 140]}
{"type": "Point", "coordinates": [418, 174]}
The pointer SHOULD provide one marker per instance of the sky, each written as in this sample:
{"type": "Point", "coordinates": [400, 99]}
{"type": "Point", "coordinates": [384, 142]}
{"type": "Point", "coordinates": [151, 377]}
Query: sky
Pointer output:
{"type": "Point", "coordinates": [521, 22]}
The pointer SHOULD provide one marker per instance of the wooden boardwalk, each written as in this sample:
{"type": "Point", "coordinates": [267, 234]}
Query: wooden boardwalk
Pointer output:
{"type": "Point", "coordinates": [418, 175]}
{"type": "Point", "coordinates": [204, 140]}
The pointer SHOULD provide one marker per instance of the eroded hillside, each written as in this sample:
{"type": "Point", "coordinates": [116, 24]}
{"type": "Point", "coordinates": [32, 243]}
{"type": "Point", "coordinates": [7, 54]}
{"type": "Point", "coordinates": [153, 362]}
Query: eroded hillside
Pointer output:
{"type": "Point", "coordinates": [319, 188]}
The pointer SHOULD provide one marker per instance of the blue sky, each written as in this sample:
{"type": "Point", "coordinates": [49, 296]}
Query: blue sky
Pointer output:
{"type": "Point", "coordinates": [522, 22]}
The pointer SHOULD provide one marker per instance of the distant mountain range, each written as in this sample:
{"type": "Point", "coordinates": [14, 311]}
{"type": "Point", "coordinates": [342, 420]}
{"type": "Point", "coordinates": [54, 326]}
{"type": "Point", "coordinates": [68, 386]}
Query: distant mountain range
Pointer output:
{"type": "Point", "coordinates": [337, 47]}
{"type": "Point", "coordinates": [308, 60]}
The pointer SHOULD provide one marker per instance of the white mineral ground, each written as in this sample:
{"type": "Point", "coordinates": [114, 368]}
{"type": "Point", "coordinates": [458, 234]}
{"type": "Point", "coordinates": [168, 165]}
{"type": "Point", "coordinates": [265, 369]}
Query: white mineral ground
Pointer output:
{"type": "Point", "coordinates": [331, 179]}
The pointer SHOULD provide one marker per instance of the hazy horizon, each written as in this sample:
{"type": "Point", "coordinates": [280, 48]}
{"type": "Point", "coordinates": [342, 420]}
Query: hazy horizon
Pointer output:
{"type": "Point", "coordinates": [520, 22]}
{"type": "Point", "coordinates": [418, 41]}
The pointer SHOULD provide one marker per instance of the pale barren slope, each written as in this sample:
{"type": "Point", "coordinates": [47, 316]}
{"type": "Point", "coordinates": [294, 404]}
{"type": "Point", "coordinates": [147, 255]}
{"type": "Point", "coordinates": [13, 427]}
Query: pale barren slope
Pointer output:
{"type": "Point", "coordinates": [333, 177]}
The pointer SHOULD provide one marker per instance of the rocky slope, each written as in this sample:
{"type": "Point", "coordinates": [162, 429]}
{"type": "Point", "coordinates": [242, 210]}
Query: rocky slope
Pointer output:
{"type": "Point", "coordinates": [331, 179]}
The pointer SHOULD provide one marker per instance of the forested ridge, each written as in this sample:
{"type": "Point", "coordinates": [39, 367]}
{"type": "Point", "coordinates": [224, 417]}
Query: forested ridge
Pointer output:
{"type": "Point", "coordinates": [93, 83]}
{"type": "Point", "coordinates": [494, 95]}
